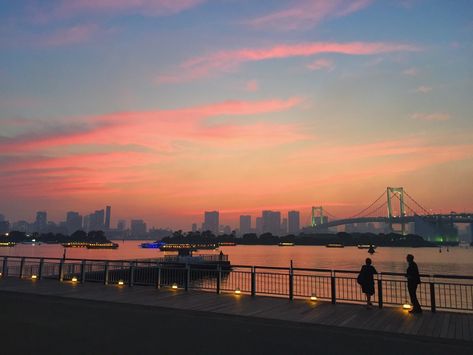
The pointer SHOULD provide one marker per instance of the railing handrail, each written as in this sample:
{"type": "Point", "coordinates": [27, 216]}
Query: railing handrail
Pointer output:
{"type": "Point", "coordinates": [250, 267]}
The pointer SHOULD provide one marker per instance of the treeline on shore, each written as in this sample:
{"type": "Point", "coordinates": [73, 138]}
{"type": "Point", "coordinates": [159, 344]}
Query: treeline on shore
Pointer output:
{"type": "Point", "coordinates": [346, 239]}
{"type": "Point", "coordinates": [78, 236]}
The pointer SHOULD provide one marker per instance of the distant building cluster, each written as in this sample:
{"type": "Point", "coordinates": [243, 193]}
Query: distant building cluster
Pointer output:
{"type": "Point", "coordinates": [270, 222]}
{"type": "Point", "coordinates": [98, 220]}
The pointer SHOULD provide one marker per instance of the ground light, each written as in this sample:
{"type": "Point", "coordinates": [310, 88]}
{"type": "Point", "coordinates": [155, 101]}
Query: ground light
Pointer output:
{"type": "Point", "coordinates": [74, 279]}
{"type": "Point", "coordinates": [406, 306]}
{"type": "Point", "coordinates": [34, 277]}
{"type": "Point", "coordinates": [237, 291]}
{"type": "Point", "coordinates": [121, 283]}
{"type": "Point", "coordinates": [313, 297]}
{"type": "Point", "coordinates": [174, 286]}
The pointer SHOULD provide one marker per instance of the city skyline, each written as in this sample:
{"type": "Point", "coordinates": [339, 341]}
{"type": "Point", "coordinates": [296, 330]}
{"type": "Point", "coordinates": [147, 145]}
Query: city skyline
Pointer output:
{"type": "Point", "coordinates": [168, 109]}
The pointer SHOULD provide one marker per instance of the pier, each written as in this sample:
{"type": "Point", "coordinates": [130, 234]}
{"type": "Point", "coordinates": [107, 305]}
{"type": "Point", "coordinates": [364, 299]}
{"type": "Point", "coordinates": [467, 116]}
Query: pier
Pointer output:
{"type": "Point", "coordinates": [313, 301]}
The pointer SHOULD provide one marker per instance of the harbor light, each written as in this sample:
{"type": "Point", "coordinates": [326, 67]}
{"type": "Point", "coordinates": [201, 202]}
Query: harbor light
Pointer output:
{"type": "Point", "coordinates": [34, 277]}
{"type": "Point", "coordinates": [74, 279]}
{"type": "Point", "coordinates": [313, 297]}
{"type": "Point", "coordinates": [174, 286]}
{"type": "Point", "coordinates": [237, 291]}
{"type": "Point", "coordinates": [121, 283]}
{"type": "Point", "coordinates": [406, 306]}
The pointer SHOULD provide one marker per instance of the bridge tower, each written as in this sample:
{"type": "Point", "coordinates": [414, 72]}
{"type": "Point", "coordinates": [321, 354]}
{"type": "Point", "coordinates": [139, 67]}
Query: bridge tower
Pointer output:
{"type": "Point", "coordinates": [317, 216]}
{"type": "Point", "coordinates": [399, 193]}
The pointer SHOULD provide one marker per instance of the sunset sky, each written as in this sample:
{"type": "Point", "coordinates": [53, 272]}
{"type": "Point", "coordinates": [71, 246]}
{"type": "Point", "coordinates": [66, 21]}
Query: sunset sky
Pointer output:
{"type": "Point", "coordinates": [166, 108]}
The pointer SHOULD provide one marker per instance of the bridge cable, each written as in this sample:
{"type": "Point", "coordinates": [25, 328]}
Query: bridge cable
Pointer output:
{"type": "Point", "coordinates": [367, 208]}
{"type": "Point", "coordinates": [419, 205]}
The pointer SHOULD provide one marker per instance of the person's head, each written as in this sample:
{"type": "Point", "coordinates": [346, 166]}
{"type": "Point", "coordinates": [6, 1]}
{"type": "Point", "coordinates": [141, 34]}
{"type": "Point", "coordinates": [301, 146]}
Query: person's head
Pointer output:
{"type": "Point", "coordinates": [368, 261]}
{"type": "Point", "coordinates": [410, 258]}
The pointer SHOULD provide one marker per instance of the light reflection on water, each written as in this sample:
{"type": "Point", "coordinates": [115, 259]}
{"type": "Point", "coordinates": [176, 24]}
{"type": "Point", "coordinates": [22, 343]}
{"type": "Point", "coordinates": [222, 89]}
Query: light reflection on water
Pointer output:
{"type": "Point", "coordinates": [457, 261]}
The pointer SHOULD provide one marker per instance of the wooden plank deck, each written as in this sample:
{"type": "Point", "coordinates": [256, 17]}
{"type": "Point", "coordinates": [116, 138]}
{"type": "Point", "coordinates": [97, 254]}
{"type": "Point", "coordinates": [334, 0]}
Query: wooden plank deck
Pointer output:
{"type": "Point", "coordinates": [446, 325]}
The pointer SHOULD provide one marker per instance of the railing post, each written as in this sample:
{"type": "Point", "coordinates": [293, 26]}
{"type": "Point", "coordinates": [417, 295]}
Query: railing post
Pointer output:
{"type": "Point", "coordinates": [40, 268]}
{"type": "Point", "coordinates": [380, 291]}
{"type": "Point", "coordinates": [219, 277]}
{"type": "Point", "coordinates": [105, 273]}
{"type": "Point", "coordinates": [132, 274]}
{"type": "Point", "coordinates": [188, 277]}
{"type": "Point", "coordinates": [253, 281]}
{"type": "Point", "coordinates": [22, 264]}
{"type": "Point", "coordinates": [433, 306]}
{"type": "Point", "coordinates": [333, 287]}
{"type": "Point", "coordinates": [5, 266]}
{"type": "Point", "coordinates": [61, 271]}
{"type": "Point", "coordinates": [158, 281]}
{"type": "Point", "coordinates": [82, 272]}
{"type": "Point", "coordinates": [291, 283]}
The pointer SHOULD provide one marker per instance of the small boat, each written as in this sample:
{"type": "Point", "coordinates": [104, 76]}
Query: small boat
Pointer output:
{"type": "Point", "coordinates": [7, 244]}
{"type": "Point", "coordinates": [335, 245]}
{"type": "Point", "coordinates": [102, 245]}
{"type": "Point", "coordinates": [227, 244]}
{"type": "Point", "coordinates": [75, 244]}
{"type": "Point", "coordinates": [286, 244]}
{"type": "Point", "coordinates": [152, 245]}
{"type": "Point", "coordinates": [366, 246]}
{"type": "Point", "coordinates": [190, 246]}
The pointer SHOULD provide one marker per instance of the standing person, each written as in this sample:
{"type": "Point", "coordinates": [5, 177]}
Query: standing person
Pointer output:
{"type": "Point", "coordinates": [366, 280]}
{"type": "Point", "coordinates": [413, 280]}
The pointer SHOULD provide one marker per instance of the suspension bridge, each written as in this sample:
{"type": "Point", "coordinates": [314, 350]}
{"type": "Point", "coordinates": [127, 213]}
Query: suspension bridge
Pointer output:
{"type": "Point", "coordinates": [394, 207]}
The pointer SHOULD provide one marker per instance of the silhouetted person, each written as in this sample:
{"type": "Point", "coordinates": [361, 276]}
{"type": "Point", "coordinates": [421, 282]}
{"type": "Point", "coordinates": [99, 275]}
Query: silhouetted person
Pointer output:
{"type": "Point", "coordinates": [220, 256]}
{"type": "Point", "coordinates": [413, 280]}
{"type": "Point", "coordinates": [366, 280]}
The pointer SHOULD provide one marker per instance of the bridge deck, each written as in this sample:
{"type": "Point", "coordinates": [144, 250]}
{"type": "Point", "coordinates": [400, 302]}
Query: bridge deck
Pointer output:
{"type": "Point", "coordinates": [454, 326]}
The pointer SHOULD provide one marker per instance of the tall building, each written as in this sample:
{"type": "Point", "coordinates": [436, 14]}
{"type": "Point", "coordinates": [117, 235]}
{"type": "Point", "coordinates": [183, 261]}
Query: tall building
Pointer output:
{"type": "Point", "coordinates": [108, 214]}
{"type": "Point", "coordinates": [245, 224]}
{"type": "Point", "coordinates": [96, 220]}
{"type": "Point", "coordinates": [211, 221]}
{"type": "Point", "coordinates": [194, 227]}
{"type": "Point", "coordinates": [138, 228]}
{"type": "Point", "coordinates": [272, 222]}
{"type": "Point", "coordinates": [41, 221]}
{"type": "Point", "coordinates": [73, 222]}
{"type": "Point", "coordinates": [259, 225]}
{"type": "Point", "coordinates": [121, 225]}
{"type": "Point", "coordinates": [293, 222]}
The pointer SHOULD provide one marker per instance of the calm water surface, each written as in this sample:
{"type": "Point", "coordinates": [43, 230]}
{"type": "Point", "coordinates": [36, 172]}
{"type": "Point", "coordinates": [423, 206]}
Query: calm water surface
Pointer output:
{"type": "Point", "coordinates": [457, 261]}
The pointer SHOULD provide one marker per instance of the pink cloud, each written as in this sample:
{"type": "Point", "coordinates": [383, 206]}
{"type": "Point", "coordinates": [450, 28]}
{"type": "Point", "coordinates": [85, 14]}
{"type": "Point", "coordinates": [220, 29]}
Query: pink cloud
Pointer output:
{"type": "Point", "coordinates": [436, 116]}
{"type": "Point", "coordinates": [305, 14]}
{"type": "Point", "coordinates": [199, 67]}
{"type": "Point", "coordinates": [322, 64]}
{"type": "Point", "coordinates": [252, 85]}
{"type": "Point", "coordinates": [71, 35]}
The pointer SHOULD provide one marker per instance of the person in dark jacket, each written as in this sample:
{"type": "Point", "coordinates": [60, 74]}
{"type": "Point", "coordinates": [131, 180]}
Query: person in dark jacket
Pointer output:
{"type": "Point", "coordinates": [366, 280]}
{"type": "Point", "coordinates": [413, 280]}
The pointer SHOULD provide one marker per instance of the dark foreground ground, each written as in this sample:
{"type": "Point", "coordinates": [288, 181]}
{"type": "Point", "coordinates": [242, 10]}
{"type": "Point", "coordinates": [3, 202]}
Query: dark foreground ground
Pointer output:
{"type": "Point", "coordinates": [33, 324]}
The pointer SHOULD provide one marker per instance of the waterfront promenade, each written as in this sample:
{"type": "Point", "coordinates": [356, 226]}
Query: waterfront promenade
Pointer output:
{"type": "Point", "coordinates": [206, 323]}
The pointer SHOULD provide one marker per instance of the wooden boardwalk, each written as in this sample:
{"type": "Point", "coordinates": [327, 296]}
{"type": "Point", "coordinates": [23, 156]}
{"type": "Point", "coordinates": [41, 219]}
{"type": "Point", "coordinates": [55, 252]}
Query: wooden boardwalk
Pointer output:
{"type": "Point", "coordinates": [445, 325]}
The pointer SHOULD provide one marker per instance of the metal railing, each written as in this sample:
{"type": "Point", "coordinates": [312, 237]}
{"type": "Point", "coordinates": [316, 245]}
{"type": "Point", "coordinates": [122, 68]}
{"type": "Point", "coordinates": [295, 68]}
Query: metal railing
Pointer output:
{"type": "Point", "coordinates": [446, 292]}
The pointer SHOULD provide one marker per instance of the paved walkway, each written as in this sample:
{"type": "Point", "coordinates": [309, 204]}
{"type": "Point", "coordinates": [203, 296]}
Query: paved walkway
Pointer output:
{"type": "Point", "coordinates": [441, 325]}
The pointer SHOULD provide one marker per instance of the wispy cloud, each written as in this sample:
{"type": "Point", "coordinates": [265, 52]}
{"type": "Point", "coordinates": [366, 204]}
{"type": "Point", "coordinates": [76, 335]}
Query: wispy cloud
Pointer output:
{"type": "Point", "coordinates": [437, 116]}
{"type": "Point", "coordinates": [71, 35]}
{"type": "Point", "coordinates": [424, 89]}
{"type": "Point", "coordinates": [252, 85]}
{"type": "Point", "coordinates": [222, 61]}
{"type": "Point", "coordinates": [322, 64]}
{"type": "Point", "coordinates": [410, 72]}
{"type": "Point", "coordinates": [303, 14]}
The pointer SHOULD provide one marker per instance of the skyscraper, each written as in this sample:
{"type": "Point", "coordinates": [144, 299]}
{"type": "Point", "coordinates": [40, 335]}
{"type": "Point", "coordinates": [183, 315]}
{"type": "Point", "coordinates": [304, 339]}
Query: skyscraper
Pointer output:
{"type": "Point", "coordinates": [272, 222]}
{"type": "Point", "coordinates": [73, 222]}
{"type": "Point", "coordinates": [138, 228]}
{"type": "Point", "coordinates": [108, 214]}
{"type": "Point", "coordinates": [259, 225]}
{"type": "Point", "coordinates": [245, 224]}
{"type": "Point", "coordinates": [41, 221]}
{"type": "Point", "coordinates": [211, 221]}
{"type": "Point", "coordinates": [96, 220]}
{"type": "Point", "coordinates": [293, 222]}
{"type": "Point", "coordinates": [121, 225]}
